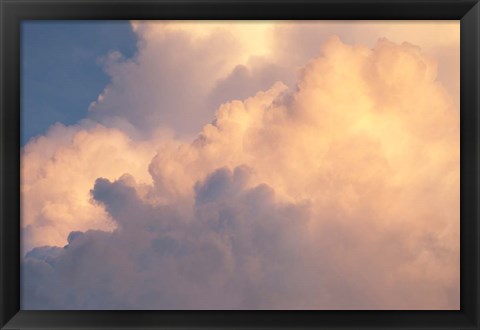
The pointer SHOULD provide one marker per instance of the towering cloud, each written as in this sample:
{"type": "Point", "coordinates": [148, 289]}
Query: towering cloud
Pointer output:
{"type": "Point", "coordinates": [184, 70]}
{"type": "Point", "coordinates": [338, 191]}
{"type": "Point", "coordinates": [176, 67]}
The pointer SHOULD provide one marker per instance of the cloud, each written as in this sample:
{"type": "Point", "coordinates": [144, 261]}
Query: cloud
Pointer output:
{"type": "Point", "coordinates": [57, 173]}
{"type": "Point", "coordinates": [183, 71]}
{"type": "Point", "coordinates": [341, 192]}
{"type": "Point", "coordinates": [172, 73]}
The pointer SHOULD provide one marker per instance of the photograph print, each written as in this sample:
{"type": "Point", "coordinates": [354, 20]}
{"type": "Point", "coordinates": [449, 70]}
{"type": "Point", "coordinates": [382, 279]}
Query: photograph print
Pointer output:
{"type": "Point", "coordinates": [240, 165]}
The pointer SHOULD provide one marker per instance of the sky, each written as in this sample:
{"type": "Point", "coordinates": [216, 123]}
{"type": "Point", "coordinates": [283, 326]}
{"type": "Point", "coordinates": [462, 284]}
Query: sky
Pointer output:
{"type": "Point", "coordinates": [61, 74]}
{"type": "Point", "coordinates": [240, 165]}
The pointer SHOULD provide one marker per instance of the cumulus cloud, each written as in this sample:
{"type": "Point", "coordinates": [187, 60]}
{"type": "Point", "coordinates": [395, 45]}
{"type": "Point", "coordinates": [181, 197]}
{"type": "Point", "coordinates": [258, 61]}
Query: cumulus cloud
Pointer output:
{"type": "Point", "coordinates": [173, 72]}
{"type": "Point", "coordinates": [183, 70]}
{"type": "Point", "coordinates": [341, 192]}
{"type": "Point", "coordinates": [160, 259]}
{"type": "Point", "coordinates": [57, 173]}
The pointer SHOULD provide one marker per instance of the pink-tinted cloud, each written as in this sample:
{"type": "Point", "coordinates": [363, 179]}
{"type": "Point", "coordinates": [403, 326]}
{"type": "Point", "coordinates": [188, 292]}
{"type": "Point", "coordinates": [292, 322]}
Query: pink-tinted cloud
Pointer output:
{"type": "Point", "coordinates": [184, 70]}
{"type": "Point", "coordinates": [339, 193]}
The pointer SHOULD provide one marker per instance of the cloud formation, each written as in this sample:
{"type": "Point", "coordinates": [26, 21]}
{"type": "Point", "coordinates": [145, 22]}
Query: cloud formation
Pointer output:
{"type": "Point", "coordinates": [57, 173]}
{"type": "Point", "coordinates": [340, 191]}
{"type": "Point", "coordinates": [183, 71]}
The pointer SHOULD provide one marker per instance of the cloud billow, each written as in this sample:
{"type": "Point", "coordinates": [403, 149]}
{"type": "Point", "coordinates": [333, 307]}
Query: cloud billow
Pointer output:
{"type": "Point", "coordinates": [335, 194]}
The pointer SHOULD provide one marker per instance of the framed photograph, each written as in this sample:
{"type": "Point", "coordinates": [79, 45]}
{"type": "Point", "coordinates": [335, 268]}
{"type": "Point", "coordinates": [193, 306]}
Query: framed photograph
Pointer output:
{"type": "Point", "coordinates": [239, 164]}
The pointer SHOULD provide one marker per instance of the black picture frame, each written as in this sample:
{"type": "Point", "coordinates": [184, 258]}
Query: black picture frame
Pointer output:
{"type": "Point", "coordinates": [12, 12]}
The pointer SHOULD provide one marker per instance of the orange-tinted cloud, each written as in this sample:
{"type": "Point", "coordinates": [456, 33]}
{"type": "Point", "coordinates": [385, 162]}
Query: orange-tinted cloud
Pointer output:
{"type": "Point", "coordinates": [341, 192]}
